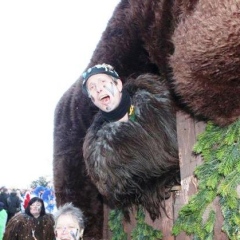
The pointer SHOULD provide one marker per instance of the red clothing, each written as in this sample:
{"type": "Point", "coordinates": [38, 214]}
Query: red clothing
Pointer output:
{"type": "Point", "coordinates": [26, 200]}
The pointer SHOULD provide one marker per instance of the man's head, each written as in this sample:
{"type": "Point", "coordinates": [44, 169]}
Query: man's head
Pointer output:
{"type": "Point", "coordinates": [103, 85]}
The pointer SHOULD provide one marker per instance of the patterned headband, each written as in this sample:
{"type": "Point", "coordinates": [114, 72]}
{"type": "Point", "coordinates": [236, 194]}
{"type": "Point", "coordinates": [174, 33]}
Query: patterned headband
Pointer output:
{"type": "Point", "coordinates": [99, 68]}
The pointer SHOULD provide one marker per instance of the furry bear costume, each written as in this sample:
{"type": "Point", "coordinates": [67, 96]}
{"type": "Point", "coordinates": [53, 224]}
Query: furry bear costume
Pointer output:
{"type": "Point", "coordinates": [136, 162]}
{"type": "Point", "coordinates": [193, 44]}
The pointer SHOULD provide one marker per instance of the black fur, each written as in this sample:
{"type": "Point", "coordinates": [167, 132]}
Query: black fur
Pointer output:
{"type": "Point", "coordinates": [136, 162]}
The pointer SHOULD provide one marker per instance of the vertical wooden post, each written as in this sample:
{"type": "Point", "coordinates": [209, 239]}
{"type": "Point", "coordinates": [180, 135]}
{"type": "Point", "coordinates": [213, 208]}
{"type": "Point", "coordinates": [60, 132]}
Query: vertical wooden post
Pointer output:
{"type": "Point", "coordinates": [187, 131]}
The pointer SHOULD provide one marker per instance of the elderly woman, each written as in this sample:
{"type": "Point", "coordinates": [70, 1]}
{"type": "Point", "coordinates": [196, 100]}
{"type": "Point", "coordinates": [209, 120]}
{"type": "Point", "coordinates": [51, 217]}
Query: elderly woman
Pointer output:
{"type": "Point", "coordinates": [34, 223]}
{"type": "Point", "coordinates": [69, 223]}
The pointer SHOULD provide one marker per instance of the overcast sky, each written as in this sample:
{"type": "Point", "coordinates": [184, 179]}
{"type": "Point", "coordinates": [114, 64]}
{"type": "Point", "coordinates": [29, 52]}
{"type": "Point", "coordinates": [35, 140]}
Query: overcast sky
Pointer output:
{"type": "Point", "coordinates": [44, 47]}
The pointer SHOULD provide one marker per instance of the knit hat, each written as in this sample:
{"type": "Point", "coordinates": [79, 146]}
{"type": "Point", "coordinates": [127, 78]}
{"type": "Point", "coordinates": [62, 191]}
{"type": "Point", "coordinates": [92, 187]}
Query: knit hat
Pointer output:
{"type": "Point", "coordinates": [99, 68]}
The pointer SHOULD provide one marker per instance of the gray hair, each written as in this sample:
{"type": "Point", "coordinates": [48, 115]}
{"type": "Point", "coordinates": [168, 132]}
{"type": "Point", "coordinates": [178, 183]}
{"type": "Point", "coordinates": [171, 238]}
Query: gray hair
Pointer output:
{"type": "Point", "coordinates": [70, 209]}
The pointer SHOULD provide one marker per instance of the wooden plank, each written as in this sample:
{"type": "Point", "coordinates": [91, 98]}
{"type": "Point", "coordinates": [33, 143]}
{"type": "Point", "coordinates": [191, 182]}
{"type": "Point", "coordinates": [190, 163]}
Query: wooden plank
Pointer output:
{"type": "Point", "coordinates": [187, 131]}
{"type": "Point", "coordinates": [106, 231]}
{"type": "Point", "coordinates": [165, 222]}
{"type": "Point", "coordinates": [218, 233]}
{"type": "Point", "coordinates": [129, 226]}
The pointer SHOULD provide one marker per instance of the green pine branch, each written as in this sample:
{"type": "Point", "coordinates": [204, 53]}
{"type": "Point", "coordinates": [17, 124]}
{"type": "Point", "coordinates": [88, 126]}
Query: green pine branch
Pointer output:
{"type": "Point", "coordinates": [143, 231]}
{"type": "Point", "coordinates": [218, 176]}
{"type": "Point", "coordinates": [116, 225]}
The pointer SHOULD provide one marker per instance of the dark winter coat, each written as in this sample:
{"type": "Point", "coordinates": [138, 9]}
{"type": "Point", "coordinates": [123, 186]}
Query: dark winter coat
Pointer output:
{"type": "Point", "coordinates": [3, 198]}
{"type": "Point", "coordinates": [136, 162]}
{"type": "Point", "coordinates": [14, 203]}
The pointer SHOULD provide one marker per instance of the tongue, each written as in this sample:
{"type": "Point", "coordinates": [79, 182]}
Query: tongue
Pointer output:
{"type": "Point", "coordinates": [105, 100]}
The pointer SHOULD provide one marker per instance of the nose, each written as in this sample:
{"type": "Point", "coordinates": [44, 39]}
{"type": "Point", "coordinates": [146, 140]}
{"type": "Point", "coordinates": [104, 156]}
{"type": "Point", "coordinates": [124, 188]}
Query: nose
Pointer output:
{"type": "Point", "coordinates": [98, 88]}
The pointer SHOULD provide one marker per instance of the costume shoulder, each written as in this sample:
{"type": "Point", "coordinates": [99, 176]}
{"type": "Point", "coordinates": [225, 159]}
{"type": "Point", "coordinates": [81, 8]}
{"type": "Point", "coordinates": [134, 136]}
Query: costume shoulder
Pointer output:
{"type": "Point", "coordinates": [21, 225]}
{"type": "Point", "coordinates": [15, 226]}
{"type": "Point", "coordinates": [151, 83]}
{"type": "Point", "coordinates": [47, 229]}
{"type": "Point", "coordinates": [152, 100]}
{"type": "Point", "coordinates": [48, 219]}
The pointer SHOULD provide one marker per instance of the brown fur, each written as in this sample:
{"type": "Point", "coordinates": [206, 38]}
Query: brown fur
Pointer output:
{"type": "Point", "coordinates": [203, 70]}
{"type": "Point", "coordinates": [206, 61]}
{"type": "Point", "coordinates": [21, 225]}
{"type": "Point", "coordinates": [136, 162]}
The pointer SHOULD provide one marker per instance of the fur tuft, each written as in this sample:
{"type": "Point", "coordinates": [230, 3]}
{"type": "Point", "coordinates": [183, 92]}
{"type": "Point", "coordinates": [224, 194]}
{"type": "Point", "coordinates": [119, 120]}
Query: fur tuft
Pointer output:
{"type": "Point", "coordinates": [206, 61]}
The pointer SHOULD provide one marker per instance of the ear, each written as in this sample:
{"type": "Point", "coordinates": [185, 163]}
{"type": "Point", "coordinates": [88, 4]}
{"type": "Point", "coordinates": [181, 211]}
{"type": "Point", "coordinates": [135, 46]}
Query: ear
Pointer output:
{"type": "Point", "coordinates": [119, 85]}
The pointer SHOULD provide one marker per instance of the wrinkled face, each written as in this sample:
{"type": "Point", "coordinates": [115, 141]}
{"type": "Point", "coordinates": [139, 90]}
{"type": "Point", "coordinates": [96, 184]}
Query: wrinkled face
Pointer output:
{"type": "Point", "coordinates": [35, 209]}
{"type": "Point", "coordinates": [104, 92]}
{"type": "Point", "coordinates": [67, 228]}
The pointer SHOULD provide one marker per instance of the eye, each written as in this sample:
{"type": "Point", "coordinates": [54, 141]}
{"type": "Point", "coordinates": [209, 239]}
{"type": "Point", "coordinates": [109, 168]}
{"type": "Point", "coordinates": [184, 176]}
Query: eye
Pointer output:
{"type": "Point", "coordinates": [91, 87]}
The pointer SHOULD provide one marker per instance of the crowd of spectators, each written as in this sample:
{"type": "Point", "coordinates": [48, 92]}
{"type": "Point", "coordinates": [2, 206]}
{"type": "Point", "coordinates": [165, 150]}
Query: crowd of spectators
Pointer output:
{"type": "Point", "coordinates": [24, 216]}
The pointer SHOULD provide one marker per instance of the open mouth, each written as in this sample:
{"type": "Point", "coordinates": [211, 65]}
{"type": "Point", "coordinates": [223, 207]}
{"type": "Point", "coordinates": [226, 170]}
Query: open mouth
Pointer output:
{"type": "Point", "coordinates": [104, 99]}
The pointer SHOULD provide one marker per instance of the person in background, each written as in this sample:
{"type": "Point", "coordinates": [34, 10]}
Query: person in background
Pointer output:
{"type": "Point", "coordinates": [3, 197]}
{"type": "Point", "coordinates": [69, 223]}
{"type": "Point", "coordinates": [3, 219]}
{"type": "Point", "coordinates": [19, 195]}
{"type": "Point", "coordinates": [14, 204]}
{"type": "Point", "coordinates": [27, 198]}
{"type": "Point", "coordinates": [34, 223]}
